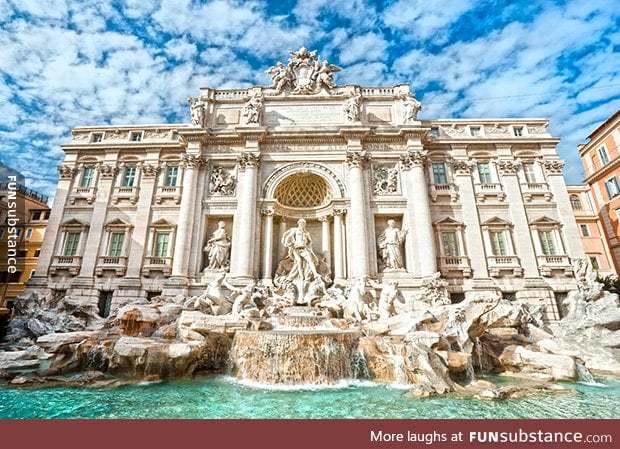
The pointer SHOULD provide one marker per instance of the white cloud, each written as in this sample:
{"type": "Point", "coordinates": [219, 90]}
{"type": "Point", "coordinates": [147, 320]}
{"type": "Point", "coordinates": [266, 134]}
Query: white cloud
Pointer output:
{"type": "Point", "coordinates": [367, 47]}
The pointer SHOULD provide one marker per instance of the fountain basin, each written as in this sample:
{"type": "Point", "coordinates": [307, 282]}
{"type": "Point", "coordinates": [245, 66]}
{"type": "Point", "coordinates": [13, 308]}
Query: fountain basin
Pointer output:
{"type": "Point", "coordinates": [299, 357]}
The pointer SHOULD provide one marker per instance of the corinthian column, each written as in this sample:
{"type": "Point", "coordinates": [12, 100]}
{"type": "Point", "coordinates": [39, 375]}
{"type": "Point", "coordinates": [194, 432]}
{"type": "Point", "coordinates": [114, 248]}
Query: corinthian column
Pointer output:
{"type": "Point", "coordinates": [358, 215]}
{"type": "Point", "coordinates": [325, 239]}
{"type": "Point", "coordinates": [191, 163]}
{"type": "Point", "coordinates": [418, 211]}
{"type": "Point", "coordinates": [244, 226]}
{"type": "Point", "coordinates": [338, 247]}
{"type": "Point", "coordinates": [267, 244]}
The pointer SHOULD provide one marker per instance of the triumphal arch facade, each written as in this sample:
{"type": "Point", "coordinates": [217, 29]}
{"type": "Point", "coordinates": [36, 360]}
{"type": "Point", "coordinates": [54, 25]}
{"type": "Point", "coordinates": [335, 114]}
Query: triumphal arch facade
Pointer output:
{"type": "Point", "coordinates": [308, 179]}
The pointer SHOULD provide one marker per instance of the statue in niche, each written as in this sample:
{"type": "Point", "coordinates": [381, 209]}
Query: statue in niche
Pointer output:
{"type": "Point", "coordinates": [280, 76]}
{"type": "Point", "coordinates": [389, 294]}
{"type": "Point", "coordinates": [411, 108]}
{"type": "Point", "coordinates": [218, 249]}
{"type": "Point", "coordinates": [352, 107]}
{"type": "Point", "coordinates": [386, 181]}
{"type": "Point", "coordinates": [197, 111]}
{"type": "Point", "coordinates": [390, 242]}
{"type": "Point", "coordinates": [253, 108]}
{"type": "Point", "coordinates": [298, 273]}
{"type": "Point", "coordinates": [221, 182]}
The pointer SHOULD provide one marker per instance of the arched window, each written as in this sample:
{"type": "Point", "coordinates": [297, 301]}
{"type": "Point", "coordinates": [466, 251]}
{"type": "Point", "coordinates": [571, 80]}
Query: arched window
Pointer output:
{"type": "Point", "coordinates": [575, 202]}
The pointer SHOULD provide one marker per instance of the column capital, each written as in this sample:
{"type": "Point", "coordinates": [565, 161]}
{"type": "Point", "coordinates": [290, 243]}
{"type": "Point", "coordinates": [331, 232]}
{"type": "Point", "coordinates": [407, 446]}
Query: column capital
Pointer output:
{"type": "Point", "coordinates": [324, 218]}
{"type": "Point", "coordinates": [357, 159]}
{"type": "Point", "coordinates": [267, 212]}
{"type": "Point", "coordinates": [339, 211]}
{"type": "Point", "coordinates": [150, 170]}
{"type": "Point", "coordinates": [107, 171]}
{"type": "Point", "coordinates": [66, 171]}
{"type": "Point", "coordinates": [248, 160]}
{"type": "Point", "coordinates": [553, 167]}
{"type": "Point", "coordinates": [192, 161]}
{"type": "Point", "coordinates": [414, 158]}
{"type": "Point", "coordinates": [508, 168]}
{"type": "Point", "coordinates": [463, 167]}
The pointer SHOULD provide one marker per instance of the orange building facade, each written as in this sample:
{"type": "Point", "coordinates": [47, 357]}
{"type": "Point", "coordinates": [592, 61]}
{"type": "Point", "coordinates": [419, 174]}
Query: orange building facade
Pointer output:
{"type": "Point", "coordinates": [591, 230]}
{"type": "Point", "coordinates": [601, 160]}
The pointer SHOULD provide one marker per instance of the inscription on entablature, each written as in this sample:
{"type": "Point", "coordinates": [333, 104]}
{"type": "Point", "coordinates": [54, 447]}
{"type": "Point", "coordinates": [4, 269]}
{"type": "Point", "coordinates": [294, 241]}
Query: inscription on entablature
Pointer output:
{"type": "Point", "coordinates": [289, 148]}
{"type": "Point", "coordinates": [303, 114]}
{"type": "Point", "coordinates": [384, 146]}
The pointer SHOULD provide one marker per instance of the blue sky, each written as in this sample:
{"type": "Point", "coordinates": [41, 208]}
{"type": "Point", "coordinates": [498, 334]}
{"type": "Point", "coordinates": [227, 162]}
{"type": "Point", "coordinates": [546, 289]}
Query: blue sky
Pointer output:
{"type": "Point", "coordinates": [70, 63]}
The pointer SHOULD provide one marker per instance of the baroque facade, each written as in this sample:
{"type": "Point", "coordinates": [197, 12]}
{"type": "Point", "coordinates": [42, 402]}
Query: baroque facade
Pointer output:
{"type": "Point", "coordinates": [143, 210]}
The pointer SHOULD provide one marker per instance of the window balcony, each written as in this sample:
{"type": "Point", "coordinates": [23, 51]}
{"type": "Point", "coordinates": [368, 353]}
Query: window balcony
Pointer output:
{"type": "Point", "coordinates": [72, 264]}
{"type": "Point", "coordinates": [88, 194]}
{"type": "Point", "coordinates": [536, 190]}
{"type": "Point", "coordinates": [487, 190]}
{"type": "Point", "coordinates": [117, 264]}
{"type": "Point", "coordinates": [161, 264]}
{"type": "Point", "coordinates": [452, 264]}
{"type": "Point", "coordinates": [168, 193]}
{"type": "Point", "coordinates": [502, 265]}
{"type": "Point", "coordinates": [125, 193]}
{"type": "Point", "coordinates": [548, 265]}
{"type": "Point", "coordinates": [443, 190]}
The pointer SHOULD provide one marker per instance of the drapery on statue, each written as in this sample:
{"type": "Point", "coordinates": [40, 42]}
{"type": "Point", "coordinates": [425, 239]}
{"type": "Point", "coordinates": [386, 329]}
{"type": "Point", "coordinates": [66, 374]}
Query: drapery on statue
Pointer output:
{"type": "Point", "coordinates": [218, 248]}
{"type": "Point", "coordinates": [197, 111]}
{"type": "Point", "coordinates": [253, 108]}
{"type": "Point", "coordinates": [299, 244]}
{"type": "Point", "coordinates": [390, 242]}
{"type": "Point", "coordinates": [411, 108]}
{"type": "Point", "coordinates": [352, 106]}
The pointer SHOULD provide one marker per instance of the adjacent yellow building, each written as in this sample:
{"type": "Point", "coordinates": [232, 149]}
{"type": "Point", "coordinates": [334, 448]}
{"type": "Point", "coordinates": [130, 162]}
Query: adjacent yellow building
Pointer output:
{"type": "Point", "coordinates": [23, 218]}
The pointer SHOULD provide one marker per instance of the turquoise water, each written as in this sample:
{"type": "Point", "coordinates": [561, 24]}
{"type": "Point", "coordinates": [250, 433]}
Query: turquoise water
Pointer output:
{"type": "Point", "coordinates": [223, 398]}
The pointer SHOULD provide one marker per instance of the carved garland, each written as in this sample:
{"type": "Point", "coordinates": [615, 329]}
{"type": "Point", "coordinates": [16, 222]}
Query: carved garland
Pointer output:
{"type": "Point", "coordinates": [508, 167]}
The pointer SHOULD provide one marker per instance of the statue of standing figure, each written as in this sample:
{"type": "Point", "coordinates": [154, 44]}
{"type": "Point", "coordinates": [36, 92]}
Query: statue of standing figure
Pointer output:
{"type": "Point", "coordinates": [197, 111]}
{"type": "Point", "coordinates": [352, 107]}
{"type": "Point", "coordinates": [218, 249]}
{"type": "Point", "coordinates": [253, 108]}
{"type": "Point", "coordinates": [299, 244]}
{"type": "Point", "coordinates": [389, 294]}
{"type": "Point", "coordinates": [411, 108]}
{"type": "Point", "coordinates": [390, 242]}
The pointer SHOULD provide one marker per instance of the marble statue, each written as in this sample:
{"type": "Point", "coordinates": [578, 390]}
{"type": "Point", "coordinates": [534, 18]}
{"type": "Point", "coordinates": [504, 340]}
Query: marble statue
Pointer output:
{"type": "Point", "coordinates": [222, 182]}
{"type": "Point", "coordinates": [352, 107]}
{"type": "Point", "coordinates": [197, 111]}
{"type": "Point", "coordinates": [325, 75]}
{"type": "Point", "coordinates": [411, 108]}
{"type": "Point", "coordinates": [243, 298]}
{"type": "Point", "coordinates": [389, 294]}
{"type": "Point", "coordinates": [252, 109]}
{"type": "Point", "coordinates": [299, 244]}
{"type": "Point", "coordinates": [218, 249]}
{"type": "Point", "coordinates": [280, 76]}
{"type": "Point", "coordinates": [389, 243]}
{"type": "Point", "coordinates": [435, 291]}
{"type": "Point", "coordinates": [580, 269]}
{"type": "Point", "coordinates": [386, 180]}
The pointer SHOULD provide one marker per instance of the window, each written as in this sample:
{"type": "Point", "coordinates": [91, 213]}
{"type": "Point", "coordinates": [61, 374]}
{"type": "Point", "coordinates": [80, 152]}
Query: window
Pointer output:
{"type": "Point", "coordinates": [585, 230]}
{"type": "Point", "coordinates": [37, 253]}
{"type": "Point", "coordinates": [135, 136]}
{"type": "Point", "coordinates": [602, 152]}
{"type": "Point", "coordinates": [129, 177]}
{"type": "Point", "coordinates": [575, 202]}
{"type": "Point", "coordinates": [28, 233]}
{"type": "Point", "coordinates": [594, 263]}
{"type": "Point", "coordinates": [161, 244]}
{"type": "Point", "coordinates": [22, 253]}
{"type": "Point", "coordinates": [97, 137]}
{"type": "Point", "coordinates": [484, 172]}
{"type": "Point", "coordinates": [547, 243]}
{"type": "Point", "coordinates": [172, 173]}
{"type": "Point", "coordinates": [18, 234]}
{"type": "Point", "coordinates": [434, 131]}
{"type": "Point", "coordinates": [88, 177]}
{"type": "Point", "coordinates": [36, 215]}
{"type": "Point", "coordinates": [498, 243]}
{"type": "Point", "coordinates": [529, 171]}
{"type": "Point", "coordinates": [71, 243]}
{"type": "Point", "coordinates": [612, 187]}
{"type": "Point", "coordinates": [1, 233]}
{"type": "Point", "coordinates": [45, 215]}
{"type": "Point", "coordinates": [450, 244]}
{"type": "Point", "coordinates": [518, 131]}
{"type": "Point", "coordinates": [14, 277]}
{"type": "Point", "coordinates": [474, 131]}
{"type": "Point", "coordinates": [116, 244]}
{"type": "Point", "coordinates": [439, 173]}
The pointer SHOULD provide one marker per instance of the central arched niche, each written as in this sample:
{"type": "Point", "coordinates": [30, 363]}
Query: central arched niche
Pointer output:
{"type": "Point", "coordinates": [303, 191]}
